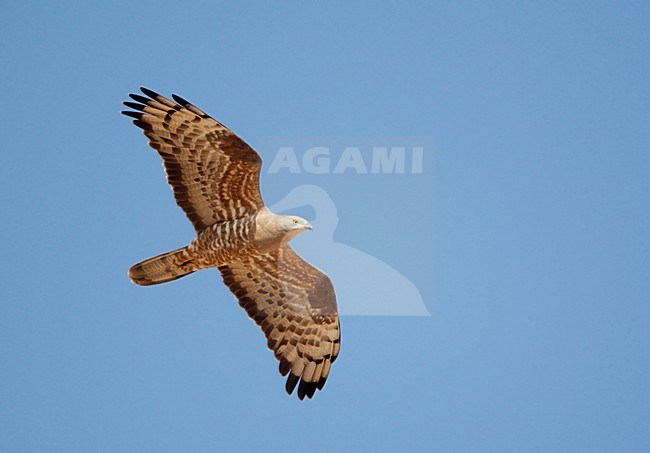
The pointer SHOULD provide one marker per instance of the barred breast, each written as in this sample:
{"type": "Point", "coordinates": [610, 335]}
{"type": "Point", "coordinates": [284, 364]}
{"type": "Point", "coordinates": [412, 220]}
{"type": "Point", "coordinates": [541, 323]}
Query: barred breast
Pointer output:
{"type": "Point", "coordinates": [224, 242]}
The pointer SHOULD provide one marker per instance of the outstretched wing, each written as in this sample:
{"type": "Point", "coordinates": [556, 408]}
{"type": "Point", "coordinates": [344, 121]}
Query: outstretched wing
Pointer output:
{"type": "Point", "coordinates": [214, 173]}
{"type": "Point", "coordinates": [294, 304]}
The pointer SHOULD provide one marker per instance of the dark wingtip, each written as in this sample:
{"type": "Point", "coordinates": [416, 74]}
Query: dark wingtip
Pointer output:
{"type": "Point", "coordinates": [180, 100]}
{"type": "Point", "coordinates": [285, 367]}
{"type": "Point", "coordinates": [152, 94]}
{"type": "Point", "coordinates": [306, 389]}
{"type": "Point", "coordinates": [292, 381]}
{"type": "Point", "coordinates": [137, 97]}
{"type": "Point", "coordinates": [311, 389]}
{"type": "Point", "coordinates": [302, 390]}
{"type": "Point", "coordinates": [142, 125]}
{"type": "Point", "coordinates": [134, 105]}
{"type": "Point", "coordinates": [136, 115]}
{"type": "Point", "coordinates": [321, 383]}
{"type": "Point", "coordinates": [189, 106]}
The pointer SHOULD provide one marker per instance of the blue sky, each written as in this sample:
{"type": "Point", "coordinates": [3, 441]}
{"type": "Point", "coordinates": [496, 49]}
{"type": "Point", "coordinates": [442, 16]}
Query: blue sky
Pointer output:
{"type": "Point", "coordinates": [527, 234]}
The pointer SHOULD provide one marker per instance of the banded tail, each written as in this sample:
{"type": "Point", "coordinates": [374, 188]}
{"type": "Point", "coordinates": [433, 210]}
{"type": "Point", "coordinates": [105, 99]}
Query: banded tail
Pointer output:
{"type": "Point", "coordinates": [163, 268]}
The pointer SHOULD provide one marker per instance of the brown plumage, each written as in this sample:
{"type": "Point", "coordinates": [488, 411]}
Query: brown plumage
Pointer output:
{"type": "Point", "coordinates": [215, 178]}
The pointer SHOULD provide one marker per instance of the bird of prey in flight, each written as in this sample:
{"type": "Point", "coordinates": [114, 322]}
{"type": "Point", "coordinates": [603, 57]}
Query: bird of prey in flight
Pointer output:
{"type": "Point", "coordinates": [215, 178]}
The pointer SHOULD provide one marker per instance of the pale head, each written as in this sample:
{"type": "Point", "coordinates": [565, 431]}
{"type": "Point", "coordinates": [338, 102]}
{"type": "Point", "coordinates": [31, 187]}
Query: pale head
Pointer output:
{"type": "Point", "coordinates": [293, 225]}
{"type": "Point", "coordinates": [275, 230]}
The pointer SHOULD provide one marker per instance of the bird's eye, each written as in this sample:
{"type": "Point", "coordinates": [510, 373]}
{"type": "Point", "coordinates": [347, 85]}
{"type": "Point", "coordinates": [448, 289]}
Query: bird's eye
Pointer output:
{"type": "Point", "coordinates": [294, 221]}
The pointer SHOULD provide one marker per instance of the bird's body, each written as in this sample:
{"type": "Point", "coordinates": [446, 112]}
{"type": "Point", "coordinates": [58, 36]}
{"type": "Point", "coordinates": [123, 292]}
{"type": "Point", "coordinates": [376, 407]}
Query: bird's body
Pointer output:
{"type": "Point", "coordinates": [228, 242]}
{"type": "Point", "coordinates": [215, 178]}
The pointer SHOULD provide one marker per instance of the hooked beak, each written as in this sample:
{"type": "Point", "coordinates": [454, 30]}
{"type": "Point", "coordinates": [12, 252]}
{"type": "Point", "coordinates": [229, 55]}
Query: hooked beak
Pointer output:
{"type": "Point", "coordinates": [309, 227]}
